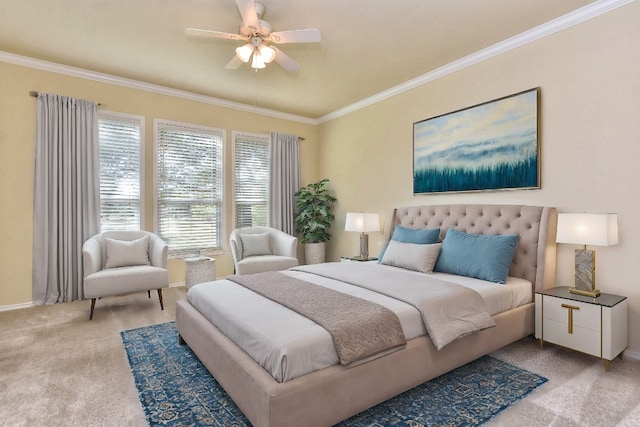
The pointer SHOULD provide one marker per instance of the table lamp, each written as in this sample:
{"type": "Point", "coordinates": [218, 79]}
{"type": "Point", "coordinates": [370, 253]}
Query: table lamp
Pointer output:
{"type": "Point", "coordinates": [587, 229]}
{"type": "Point", "coordinates": [363, 223]}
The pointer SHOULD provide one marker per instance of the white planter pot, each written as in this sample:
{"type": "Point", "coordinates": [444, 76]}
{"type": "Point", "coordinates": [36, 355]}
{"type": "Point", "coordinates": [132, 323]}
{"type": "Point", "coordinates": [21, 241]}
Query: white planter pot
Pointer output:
{"type": "Point", "coordinates": [314, 252]}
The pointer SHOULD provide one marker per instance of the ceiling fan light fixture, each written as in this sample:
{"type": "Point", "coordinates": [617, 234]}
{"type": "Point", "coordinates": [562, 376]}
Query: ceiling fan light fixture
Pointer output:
{"type": "Point", "coordinates": [258, 62]}
{"type": "Point", "coordinates": [267, 53]}
{"type": "Point", "coordinates": [244, 52]}
{"type": "Point", "coordinates": [255, 31]}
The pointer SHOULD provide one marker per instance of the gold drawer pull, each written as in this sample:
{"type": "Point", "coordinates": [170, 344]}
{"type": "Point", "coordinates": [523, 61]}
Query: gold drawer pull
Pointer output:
{"type": "Point", "coordinates": [570, 314]}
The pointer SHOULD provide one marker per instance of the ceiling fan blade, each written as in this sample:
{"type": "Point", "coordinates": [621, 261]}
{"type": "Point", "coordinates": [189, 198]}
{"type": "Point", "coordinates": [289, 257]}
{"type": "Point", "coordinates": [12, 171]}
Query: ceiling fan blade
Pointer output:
{"type": "Point", "coordinates": [235, 63]}
{"type": "Point", "coordinates": [249, 15]}
{"type": "Point", "coordinates": [310, 35]}
{"type": "Point", "coordinates": [285, 60]}
{"type": "Point", "coordinates": [193, 32]}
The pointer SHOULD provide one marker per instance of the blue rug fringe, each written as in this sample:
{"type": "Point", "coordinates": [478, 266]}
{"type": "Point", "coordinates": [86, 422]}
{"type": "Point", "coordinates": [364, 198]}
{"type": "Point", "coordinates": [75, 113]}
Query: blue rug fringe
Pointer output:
{"type": "Point", "coordinates": [176, 390]}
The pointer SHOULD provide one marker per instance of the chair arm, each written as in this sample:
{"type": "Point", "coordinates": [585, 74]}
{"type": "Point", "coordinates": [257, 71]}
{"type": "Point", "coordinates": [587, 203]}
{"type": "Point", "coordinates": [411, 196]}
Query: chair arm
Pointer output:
{"type": "Point", "coordinates": [158, 252]}
{"type": "Point", "coordinates": [235, 250]}
{"type": "Point", "coordinates": [91, 257]}
{"type": "Point", "coordinates": [284, 244]}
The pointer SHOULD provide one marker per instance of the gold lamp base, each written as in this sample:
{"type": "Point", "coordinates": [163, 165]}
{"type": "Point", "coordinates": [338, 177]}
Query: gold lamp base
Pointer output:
{"type": "Point", "coordinates": [594, 294]}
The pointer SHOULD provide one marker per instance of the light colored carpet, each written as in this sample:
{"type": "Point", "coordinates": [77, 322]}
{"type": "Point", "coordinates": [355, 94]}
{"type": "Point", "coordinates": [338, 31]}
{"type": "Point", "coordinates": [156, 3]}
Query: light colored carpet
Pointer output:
{"type": "Point", "coordinates": [579, 392]}
{"type": "Point", "coordinates": [57, 368]}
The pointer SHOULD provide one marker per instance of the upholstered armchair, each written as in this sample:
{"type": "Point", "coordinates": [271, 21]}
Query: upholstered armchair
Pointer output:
{"type": "Point", "coordinates": [122, 262]}
{"type": "Point", "coordinates": [258, 249]}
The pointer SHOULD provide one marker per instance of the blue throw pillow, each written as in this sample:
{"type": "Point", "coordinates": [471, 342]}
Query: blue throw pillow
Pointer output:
{"type": "Point", "coordinates": [477, 255]}
{"type": "Point", "coordinates": [422, 236]}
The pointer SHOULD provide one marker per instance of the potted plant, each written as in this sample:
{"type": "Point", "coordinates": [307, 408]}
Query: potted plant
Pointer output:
{"type": "Point", "coordinates": [313, 219]}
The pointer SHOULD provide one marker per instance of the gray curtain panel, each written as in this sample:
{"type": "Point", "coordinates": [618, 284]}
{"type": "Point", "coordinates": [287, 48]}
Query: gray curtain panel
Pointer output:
{"type": "Point", "coordinates": [284, 181]}
{"type": "Point", "coordinates": [66, 195]}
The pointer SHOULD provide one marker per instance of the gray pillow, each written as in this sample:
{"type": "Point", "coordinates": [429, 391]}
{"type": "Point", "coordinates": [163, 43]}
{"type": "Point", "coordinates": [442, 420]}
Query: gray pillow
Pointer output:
{"type": "Point", "coordinates": [255, 244]}
{"type": "Point", "coordinates": [412, 256]}
{"type": "Point", "coordinates": [122, 253]}
{"type": "Point", "coordinates": [425, 236]}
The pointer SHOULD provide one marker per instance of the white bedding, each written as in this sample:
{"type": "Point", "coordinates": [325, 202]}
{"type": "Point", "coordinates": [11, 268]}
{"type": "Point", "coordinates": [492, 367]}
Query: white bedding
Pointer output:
{"type": "Point", "coordinates": [300, 345]}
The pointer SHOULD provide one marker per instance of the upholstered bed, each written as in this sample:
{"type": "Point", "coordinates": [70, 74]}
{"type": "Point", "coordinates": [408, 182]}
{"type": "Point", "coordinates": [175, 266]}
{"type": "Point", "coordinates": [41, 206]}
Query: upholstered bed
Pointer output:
{"type": "Point", "coordinates": [332, 393]}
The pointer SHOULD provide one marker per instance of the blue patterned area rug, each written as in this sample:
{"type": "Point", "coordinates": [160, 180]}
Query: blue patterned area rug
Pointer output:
{"type": "Point", "coordinates": [175, 389]}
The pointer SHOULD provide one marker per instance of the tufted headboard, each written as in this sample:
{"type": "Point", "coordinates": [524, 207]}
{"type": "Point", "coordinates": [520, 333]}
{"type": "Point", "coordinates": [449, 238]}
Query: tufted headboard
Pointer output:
{"type": "Point", "coordinates": [535, 254]}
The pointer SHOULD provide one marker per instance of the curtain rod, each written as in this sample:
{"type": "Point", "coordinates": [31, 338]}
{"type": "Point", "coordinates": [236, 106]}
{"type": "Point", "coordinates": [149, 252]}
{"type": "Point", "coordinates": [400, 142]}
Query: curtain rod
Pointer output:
{"type": "Point", "coordinates": [35, 95]}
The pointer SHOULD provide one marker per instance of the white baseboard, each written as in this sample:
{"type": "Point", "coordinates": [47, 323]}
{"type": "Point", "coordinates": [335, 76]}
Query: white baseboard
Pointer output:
{"type": "Point", "coordinates": [16, 306]}
{"type": "Point", "coordinates": [633, 355]}
{"type": "Point", "coordinates": [30, 304]}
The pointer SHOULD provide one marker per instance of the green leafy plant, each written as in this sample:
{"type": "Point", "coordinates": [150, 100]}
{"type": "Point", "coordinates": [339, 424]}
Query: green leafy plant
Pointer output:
{"type": "Point", "coordinates": [314, 216]}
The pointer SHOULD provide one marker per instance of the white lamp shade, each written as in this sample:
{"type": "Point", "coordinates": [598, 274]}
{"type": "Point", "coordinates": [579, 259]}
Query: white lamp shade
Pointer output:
{"type": "Point", "coordinates": [362, 222]}
{"type": "Point", "coordinates": [244, 52]}
{"type": "Point", "coordinates": [267, 53]}
{"type": "Point", "coordinates": [588, 229]}
{"type": "Point", "coordinates": [257, 62]}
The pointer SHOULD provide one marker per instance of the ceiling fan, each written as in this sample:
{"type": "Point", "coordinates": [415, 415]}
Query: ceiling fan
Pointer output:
{"type": "Point", "coordinates": [259, 38]}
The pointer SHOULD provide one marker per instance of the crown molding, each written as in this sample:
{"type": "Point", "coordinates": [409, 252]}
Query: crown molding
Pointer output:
{"type": "Point", "coordinates": [585, 13]}
{"type": "Point", "coordinates": [67, 70]}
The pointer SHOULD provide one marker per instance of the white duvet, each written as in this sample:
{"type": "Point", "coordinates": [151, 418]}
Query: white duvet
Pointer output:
{"type": "Point", "coordinates": [288, 345]}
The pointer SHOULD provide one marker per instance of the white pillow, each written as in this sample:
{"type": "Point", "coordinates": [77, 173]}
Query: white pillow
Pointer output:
{"type": "Point", "coordinates": [255, 244]}
{"type": "Point", "coordinates": [412, 256]}
{"type": "Point", "coordinates": [122, 253]}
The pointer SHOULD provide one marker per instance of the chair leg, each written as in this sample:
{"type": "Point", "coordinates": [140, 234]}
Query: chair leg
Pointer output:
{"type": "Point", "coordinates": [93, 305]}
{"type": "Point", "coordinates": [160, 297]}
{"type": "Point", "coordinates": [149, 294]}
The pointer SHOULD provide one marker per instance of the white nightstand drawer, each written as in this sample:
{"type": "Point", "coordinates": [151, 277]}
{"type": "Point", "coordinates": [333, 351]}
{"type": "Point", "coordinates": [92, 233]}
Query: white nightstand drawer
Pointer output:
{"type": "Point", "coordinates": [581, 339]}
{"type": "Point", "coordinates": [572, 324]}
{"type": "Point", "coordinates": [560, 310]}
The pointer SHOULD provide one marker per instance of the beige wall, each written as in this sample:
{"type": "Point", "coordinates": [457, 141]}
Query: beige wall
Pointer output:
{"type": "Point", "coordinates": [17, 148]}
{"type": "Point", "coordinates": [590, 130]}
{"type": "Point", "coordinates": [589, 77]}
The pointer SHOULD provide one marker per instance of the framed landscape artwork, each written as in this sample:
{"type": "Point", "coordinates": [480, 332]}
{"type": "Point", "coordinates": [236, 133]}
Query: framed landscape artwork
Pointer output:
{"type": "Point", "coordinates": [490, 146]}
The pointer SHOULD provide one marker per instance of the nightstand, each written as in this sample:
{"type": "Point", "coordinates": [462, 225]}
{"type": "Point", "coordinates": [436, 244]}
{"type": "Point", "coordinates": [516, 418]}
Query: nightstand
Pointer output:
{"type": "Point", "coordinates": [356, 259]}
{"type": "Point", "coordinates": [595, 326]}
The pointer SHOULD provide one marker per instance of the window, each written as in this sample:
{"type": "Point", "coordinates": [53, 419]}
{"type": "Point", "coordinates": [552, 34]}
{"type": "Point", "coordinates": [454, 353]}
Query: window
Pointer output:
{"type": "Point", "coordinates": [189, 193]}
{"type": "Point", "coordinates": [120, 139]}
{"type": "Point", "coordinates": [250, 179]}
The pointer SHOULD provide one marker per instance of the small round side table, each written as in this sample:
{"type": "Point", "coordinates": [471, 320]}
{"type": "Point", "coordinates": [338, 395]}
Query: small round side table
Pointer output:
{"type": "Point", "coordinates": [198, 270]}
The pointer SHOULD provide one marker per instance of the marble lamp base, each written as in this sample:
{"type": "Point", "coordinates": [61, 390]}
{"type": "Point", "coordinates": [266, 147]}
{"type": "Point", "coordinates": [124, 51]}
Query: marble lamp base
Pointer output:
{"type": "Point", "coordinates": [585, 273]}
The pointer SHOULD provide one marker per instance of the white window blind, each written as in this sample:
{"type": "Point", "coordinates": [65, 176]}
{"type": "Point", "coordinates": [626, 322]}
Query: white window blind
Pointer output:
{"type": "Point", "coordinates": [251, 179]}
{"type": "Point", "coordinates": [120, 171]}
{"type": "Point", "coordinates": [189, 178]}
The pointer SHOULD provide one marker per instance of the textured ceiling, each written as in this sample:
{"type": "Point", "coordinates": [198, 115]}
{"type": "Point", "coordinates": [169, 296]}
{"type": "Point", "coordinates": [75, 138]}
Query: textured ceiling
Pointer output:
{"type": "Point", "coordinates": [367, 46]}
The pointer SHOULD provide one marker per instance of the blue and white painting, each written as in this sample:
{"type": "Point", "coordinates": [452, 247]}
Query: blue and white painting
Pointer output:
{"type": "Point", "coordinates": [490, 146]}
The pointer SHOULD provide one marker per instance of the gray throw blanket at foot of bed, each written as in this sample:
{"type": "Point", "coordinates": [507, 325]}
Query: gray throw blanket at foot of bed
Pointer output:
{"type": "Point", "coordinates": [360, 329]}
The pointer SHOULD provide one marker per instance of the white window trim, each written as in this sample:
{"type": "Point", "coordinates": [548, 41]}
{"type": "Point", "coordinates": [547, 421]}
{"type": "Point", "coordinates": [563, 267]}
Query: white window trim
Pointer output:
{"type": "Point", "coordinates": [237, 134]}
{"type": "Point", "coordinates": [140, 120]}
{"type": "Point", "coordinates": [223, 205]}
